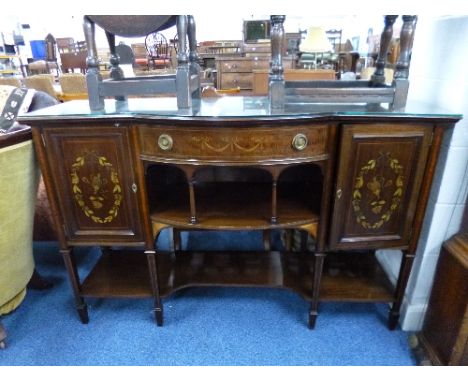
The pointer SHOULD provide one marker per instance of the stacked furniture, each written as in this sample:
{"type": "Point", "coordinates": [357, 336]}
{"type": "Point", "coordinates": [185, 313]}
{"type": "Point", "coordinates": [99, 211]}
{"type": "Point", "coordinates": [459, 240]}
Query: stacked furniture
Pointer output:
{"type": "Point", "coordinates": [186, 81]}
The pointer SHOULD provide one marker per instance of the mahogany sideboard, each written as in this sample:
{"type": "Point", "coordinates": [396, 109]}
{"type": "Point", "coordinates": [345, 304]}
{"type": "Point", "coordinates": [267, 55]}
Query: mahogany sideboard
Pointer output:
{"type": "Point", "coordinates": [354, 178]}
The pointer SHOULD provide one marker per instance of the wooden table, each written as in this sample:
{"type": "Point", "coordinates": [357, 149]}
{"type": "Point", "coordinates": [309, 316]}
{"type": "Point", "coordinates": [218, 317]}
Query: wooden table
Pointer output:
{"type": "Point", "coordinates": [260, 77]}
{"type": "Point", "coordinates": [355, 178]}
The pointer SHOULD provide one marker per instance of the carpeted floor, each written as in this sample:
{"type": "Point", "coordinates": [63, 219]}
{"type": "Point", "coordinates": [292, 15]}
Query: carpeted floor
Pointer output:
{"type": "Point", "coordinates": [202, 326]}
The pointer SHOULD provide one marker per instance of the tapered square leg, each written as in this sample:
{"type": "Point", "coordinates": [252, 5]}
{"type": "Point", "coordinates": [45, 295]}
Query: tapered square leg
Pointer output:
{"type": "Point", "coordinates": [82, 310]}
{"type": "Point", "coordinates": [312, 318]}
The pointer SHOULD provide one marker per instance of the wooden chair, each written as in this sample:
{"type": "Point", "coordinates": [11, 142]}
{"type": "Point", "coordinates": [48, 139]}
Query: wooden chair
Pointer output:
{"type": "Point", "coordinates": [141, 56]}
{"type": "Point", "coordinates": [65, 44]}
{"type": "Point", "coordinates": [126, 59]}
{"type": "Point", "coordinates": [49, 63]}
{"type": "Point", "coordinates": [73, 56]}
{"type": "Point", "coordinates": [158, 50]}
{"type": "Point", "coordinates": [51, 54]}
{"type": "Point", "coordinates": [73, 86]}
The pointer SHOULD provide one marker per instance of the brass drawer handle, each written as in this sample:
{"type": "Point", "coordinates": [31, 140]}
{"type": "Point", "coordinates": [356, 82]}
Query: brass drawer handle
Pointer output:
{"type": "Point", "coordinates": [165, 142]}
{"type": "Point", "coordinates": [300, 142]}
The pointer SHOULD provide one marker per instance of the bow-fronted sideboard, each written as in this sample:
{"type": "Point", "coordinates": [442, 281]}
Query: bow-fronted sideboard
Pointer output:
{"type": "Point", "coordinates": [354, 179]}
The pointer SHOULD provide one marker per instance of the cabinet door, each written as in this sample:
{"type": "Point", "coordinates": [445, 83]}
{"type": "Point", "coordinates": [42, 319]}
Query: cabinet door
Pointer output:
{"type": "Point", "coordinates": [93, 175]}
{"type": "Point", "coordinates": [380, 171]}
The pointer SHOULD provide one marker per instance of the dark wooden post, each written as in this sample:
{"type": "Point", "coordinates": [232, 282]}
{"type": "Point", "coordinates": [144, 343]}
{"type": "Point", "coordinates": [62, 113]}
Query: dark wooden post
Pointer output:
{"type": "Point", "coordinates": [182, 73]}
{"type": "Point", "coordinates": [93, 76]}
{"type": "Point", "coordinates": [379, 75]}
{"type": "Point", "coordinates": [276, 78]}
{"type": "Point", "coordinates": [406, 45]}
{"type": "Point", "coordinates": [193, 55]}
{"type": "Point", "coordinates": [401, 82]}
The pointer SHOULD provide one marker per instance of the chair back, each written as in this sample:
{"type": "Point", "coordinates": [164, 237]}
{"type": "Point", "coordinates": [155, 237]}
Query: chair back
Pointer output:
{"type": "Point", "coordinates": [43, 82]}
{"type": "Point", "coordinates": [51, 44]}
{"type": "Point", "coordinates": [158, 49]}
{"type": "Point", "coordinates": [125, 53]}
{"type": "Point", "coordinates": [73, 83]}
{"type": "Point", "coordinates": [65, 44]}
{"type": "Point", "coordinates": [141, 55]}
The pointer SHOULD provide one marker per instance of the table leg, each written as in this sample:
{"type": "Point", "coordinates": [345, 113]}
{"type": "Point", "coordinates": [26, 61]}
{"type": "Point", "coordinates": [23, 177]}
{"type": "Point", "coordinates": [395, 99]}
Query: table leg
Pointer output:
{"type": "Point", "coordinates": [318, 266]}
{"type": "Point", "coordinates": [158, 307]}
{"type": "Point", "coordinates": [70, 264]}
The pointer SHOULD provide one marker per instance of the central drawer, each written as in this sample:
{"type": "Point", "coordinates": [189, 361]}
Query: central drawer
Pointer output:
{"type": "Point", "coordinates": [226, 145]}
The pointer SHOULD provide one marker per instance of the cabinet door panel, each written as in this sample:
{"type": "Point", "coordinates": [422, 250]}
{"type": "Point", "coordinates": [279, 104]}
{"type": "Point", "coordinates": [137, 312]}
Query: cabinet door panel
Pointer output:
{"type": "Point", "coordinates": [96, 191]}
{"type": "Point", "coordinates": [380, 171]}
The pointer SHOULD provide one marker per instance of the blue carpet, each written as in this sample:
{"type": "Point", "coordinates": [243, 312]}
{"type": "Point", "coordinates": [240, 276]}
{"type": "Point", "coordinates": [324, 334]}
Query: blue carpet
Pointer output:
{"type": "Point", "coordinates": [202, 326]}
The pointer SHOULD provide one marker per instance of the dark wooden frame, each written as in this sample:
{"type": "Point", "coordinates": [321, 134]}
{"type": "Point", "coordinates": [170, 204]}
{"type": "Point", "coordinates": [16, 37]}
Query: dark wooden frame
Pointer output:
{"type": "Point", "coordinates": [373, 91]}
{"type": "Point", "coordinates": [185, 84]}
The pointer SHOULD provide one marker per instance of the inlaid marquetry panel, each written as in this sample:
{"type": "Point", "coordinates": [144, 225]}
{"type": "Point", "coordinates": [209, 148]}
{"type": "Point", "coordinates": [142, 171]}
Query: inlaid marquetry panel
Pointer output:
{"type": "Point", "coordinates": [379, 177]}
{"type": "Point", "coordinates": [95, 174]}
{"type": "Point", "coordinates": [237, 145]}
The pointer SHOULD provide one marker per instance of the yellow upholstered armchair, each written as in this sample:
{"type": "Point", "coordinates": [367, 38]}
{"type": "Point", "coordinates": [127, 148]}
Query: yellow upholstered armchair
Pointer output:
{"type": "Point", "coordinates": [19, 176]}
{"type": "Point", "coordinates": [18, 184]}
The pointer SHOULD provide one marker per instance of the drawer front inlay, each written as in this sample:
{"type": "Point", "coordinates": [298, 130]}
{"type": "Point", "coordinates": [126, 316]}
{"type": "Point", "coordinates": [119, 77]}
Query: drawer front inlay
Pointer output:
{"type": "Point", "coordinates": [234, 144]}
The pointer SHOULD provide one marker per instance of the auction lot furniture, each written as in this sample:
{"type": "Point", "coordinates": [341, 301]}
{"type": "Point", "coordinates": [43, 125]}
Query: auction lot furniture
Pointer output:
{"type": "Point", "coordinates": [19, 178]}
{"type": "Point", "coordinates": [354, 177]}
{"type": "Point", "coordinates": [444, 336]}
{"type": "Point", "coordinates": [185, 83]}
{"type": "Point", "coordinates": [260, 77]}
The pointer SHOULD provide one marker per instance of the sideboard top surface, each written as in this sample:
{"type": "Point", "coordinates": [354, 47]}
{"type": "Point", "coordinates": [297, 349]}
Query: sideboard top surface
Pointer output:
{"type": "Point", "coordinates": [231, 108]}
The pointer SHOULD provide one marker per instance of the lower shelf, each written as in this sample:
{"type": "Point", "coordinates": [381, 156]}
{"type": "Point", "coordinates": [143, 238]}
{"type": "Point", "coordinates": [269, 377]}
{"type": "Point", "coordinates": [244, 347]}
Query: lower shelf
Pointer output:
{"type": "Point", "coordinates": [119, 274]}
{"type": "Point", "coordinates": [346, 277]}
{"type": "Point", "coordinates": [354, 277]}
{"type": "Point", "coordinates": [259, 269]}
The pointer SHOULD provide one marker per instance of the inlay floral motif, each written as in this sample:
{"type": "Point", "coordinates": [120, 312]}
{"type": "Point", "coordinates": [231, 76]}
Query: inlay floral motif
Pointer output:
{"type": "Point", "coordinates": [232, 144]}
{"type": "Point", "coordinates": [377, 186]}
{"type": "Point", "coordinates": [99, 183]}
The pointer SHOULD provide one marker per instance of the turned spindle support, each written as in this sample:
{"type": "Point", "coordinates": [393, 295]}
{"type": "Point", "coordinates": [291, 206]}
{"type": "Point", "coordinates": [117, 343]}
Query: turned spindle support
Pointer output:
{"type": "Point", "coordinates": [400, 78]}
{"type": "Point", "coordinates": [385, 38]}
{"type": "Point", "coordinates": [276, 78]}
{"type": "Point", "coordinates": [406, 45]}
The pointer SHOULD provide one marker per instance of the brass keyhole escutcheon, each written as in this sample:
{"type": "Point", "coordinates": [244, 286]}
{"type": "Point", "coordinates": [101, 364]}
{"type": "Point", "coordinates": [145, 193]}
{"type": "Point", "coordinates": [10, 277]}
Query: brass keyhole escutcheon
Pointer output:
{"type": "Point", "coordinates": [165, 142]}
{"type": "Point", "coordinates": [300, 142]}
